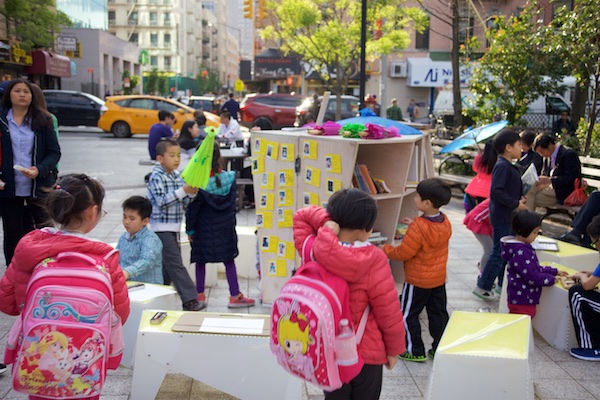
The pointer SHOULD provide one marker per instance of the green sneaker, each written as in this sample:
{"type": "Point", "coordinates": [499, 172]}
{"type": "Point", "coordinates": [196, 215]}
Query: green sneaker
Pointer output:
{"type": "Point", "coordinates": [431, 353]}
{"type": "Point", "coordinates": [409, 357]}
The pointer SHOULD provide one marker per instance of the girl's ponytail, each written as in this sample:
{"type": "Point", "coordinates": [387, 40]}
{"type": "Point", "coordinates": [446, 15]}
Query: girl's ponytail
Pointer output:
{"type": "Point", "coordinates": [216, 167]}
{"type": "Point", "coordinates": [72, 195]}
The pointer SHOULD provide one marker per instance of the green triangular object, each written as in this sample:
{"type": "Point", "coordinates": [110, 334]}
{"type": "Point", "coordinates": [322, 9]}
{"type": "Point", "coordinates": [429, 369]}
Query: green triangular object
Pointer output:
{"type": "Point", "coordinates": [197, 172]}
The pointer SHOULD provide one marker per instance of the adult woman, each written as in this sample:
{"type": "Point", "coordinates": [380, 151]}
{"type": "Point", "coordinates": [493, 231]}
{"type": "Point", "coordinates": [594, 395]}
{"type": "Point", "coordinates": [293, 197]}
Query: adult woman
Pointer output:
{"type": "Point", "coordinates": [479, 187]}
{"type": "Point", "coordinates": [188, 142]}
{"type": "Point", "coordinates": [29, 141]}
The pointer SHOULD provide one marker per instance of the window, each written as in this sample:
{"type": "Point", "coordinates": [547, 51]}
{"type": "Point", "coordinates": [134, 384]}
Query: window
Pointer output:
{"type": "Point", "coordinates": [134, 38]}
{"type": "Point", "coordinates": [167, 19]}
{"type": "Point", "coordinates": [165, 105]}
{"type": "Point", "coordinates": [422, 39]}
{"type": "Point", "coordinates": [133, 18]}
{"type": "Point", "coordinates": [167, 40]}
{"type": "Point", "coordinates": [153, 18]}
{"type": "Point", "coordinates": [167, 62]}
{"type": "Point", "coordinates": [145, 104]}
{"type": "Point", "coordinates": [153, 61]}
{"type": "Point", "coordinates": [153, 40]}
{"type": "Point", "coordinates": [112, 18]}
{"type": "Point", "coordinates": [465, 29]}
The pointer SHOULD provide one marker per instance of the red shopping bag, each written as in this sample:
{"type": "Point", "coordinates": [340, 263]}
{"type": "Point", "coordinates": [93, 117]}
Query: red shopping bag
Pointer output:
{"type": "Point", "coordinates": [577, 196]}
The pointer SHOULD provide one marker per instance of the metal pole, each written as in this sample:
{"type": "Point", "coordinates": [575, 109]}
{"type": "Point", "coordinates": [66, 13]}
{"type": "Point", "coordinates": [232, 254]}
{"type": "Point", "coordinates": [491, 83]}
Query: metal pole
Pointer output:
{"type": "Point", "coordinates": [363, 55]}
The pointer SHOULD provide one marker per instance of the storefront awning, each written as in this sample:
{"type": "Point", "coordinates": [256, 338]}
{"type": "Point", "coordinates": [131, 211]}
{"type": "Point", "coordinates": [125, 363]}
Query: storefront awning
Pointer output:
{"type": "Point", "coordinates": [46, 63]}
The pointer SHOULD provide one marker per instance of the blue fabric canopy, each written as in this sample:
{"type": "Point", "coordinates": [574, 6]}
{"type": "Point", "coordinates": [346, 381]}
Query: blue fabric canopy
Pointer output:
{"type": "Point", "coordinates": [473, 136]}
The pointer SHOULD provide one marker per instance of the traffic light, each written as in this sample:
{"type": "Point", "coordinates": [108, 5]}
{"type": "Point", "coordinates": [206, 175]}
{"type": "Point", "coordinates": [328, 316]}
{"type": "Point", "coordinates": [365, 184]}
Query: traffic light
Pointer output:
{"type": "Point", "coordinates": [248, 9]}
{"type": "Point", "coordinates": [262, 11]}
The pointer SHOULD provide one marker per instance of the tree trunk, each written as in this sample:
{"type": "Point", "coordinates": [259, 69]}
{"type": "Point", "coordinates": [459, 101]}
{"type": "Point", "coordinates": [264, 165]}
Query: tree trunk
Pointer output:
{"type": "Point", "coordinates": [592, 116]}
{"type": "Point", "coordinates": [457, 104]}
{"type": "Point", "coordinates": [579, 101]}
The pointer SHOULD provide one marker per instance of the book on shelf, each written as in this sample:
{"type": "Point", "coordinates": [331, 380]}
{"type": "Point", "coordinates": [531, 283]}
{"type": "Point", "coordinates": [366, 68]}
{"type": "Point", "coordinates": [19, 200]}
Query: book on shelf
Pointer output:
{"type": "Point", "coordinates": [366, 175]}
{"type": "Point", "coordinates": [360, 183]}
{"type": "Point", "coordinates": [363, 180]}
{"type": "Point", "coordinates": [400, 231]}
{"type": "Point", "coordinates": [376, 238]}
{"type": "Point", "coordinates": [381, 186]}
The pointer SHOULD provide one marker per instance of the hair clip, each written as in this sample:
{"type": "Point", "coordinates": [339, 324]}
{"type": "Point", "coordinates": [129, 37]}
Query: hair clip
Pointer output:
{"type": "Point", "coordinates": [58, 187]}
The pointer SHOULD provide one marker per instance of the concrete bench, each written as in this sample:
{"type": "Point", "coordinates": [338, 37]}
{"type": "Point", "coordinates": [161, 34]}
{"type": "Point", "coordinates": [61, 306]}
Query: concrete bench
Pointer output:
{"type": "Point", "coordinates": [463, 158]}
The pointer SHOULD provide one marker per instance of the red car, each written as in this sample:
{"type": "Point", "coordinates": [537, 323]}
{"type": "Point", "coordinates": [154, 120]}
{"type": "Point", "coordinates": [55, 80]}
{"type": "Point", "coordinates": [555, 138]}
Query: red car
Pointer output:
{"type": "Point", "coordinates": [278, 108]}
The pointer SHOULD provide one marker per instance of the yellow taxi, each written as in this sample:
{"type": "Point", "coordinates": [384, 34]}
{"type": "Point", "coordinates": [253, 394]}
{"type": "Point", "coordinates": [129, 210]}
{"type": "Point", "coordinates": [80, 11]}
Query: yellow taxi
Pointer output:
{"type": "Point", "coordinates": [127, 115]}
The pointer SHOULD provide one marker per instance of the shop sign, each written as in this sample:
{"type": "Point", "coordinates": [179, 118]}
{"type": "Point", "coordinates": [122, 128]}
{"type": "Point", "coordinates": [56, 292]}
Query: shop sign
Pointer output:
{"type": "Point", "coordinates": [20, 56]}
{"type": "Point", "coordinates": [423, 72]}
{"type": "Point", "coordinates": [66, 43]}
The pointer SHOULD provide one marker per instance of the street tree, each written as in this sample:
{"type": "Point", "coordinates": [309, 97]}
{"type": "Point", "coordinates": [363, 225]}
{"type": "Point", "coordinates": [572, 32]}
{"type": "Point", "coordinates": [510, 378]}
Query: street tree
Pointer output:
{"type": "Point", "coordinates": [151, 81]}
{"type": "Point", "coordinates": [134, 80]}
{"type": "Point", "coordinates": [517, 68]}
{"type": "Point", "coordinates": [326, 33]}
{"type": "Point", "coordinates": [208, 80]}
{"type": "Point", "coordinates": [34, 22]}
{"type": "Point", "coordinates": [162, 84]}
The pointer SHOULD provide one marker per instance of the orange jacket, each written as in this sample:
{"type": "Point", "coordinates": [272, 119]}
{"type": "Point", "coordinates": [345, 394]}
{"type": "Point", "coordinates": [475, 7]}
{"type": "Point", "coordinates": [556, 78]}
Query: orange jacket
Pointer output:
{"type": "Point", "coordinates": [424, 250]}
{"type": "Point", "coordinates": [369, 277]}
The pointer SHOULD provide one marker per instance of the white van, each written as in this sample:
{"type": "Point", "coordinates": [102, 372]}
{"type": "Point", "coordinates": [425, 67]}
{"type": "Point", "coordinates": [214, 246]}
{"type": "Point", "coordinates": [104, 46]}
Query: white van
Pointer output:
{"type": "Point", "coordinates": [541, 113]}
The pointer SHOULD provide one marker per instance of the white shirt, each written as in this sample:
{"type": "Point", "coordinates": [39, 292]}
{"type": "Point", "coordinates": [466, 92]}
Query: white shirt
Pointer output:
{"type": "Point", "coordinates": [231, 132]}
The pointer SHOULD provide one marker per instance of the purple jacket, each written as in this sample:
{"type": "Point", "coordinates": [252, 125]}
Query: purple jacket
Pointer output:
{"type": "Point", "coordinates": [525, 275]}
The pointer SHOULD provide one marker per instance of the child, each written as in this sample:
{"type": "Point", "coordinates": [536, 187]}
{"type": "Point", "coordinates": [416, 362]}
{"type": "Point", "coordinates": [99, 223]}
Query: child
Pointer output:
{"type": "Point", "coordinates": [188, 141]}
{"type": "Point", "coordinates": [505, 197]}
{"type": "Point", "coordinates": [141, 249]}
{"type": "Point", "coordinates": [75, 206]}
{"type": "Point", "coordinates": [479, 188]}
{"type": "Point", "coordinates": [211, 227]}
{"type": "Point", "coordinates": [478, 221]}
{"type": "Point", "coordinates": [341, 246]}
{"type": "Point", "coordinates": [525, 275]}
{"type": "Point", "coordinates": [169, 194]}
{"type": "Point", "coordinates": [424, 250]}
{"type": "Point", "coordinates": [585, 305]}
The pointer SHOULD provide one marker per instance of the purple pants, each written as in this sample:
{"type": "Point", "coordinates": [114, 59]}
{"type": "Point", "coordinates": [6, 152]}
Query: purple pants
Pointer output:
{"type": "Point", "coordinates": [230, 272]}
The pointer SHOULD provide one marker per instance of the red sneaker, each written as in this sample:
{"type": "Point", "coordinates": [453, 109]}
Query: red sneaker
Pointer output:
{"type": "Point", "coordinates": [202, 297]}
{"type": "Point", "coordinates": [240, 301]}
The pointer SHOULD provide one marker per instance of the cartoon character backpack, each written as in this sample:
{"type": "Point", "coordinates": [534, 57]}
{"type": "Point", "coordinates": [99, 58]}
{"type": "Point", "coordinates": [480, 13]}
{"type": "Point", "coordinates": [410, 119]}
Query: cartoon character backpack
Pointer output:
{"type": "Point", "coordinates": [305, 321]}
{"type": "Point", "coordinates": [68, 333]}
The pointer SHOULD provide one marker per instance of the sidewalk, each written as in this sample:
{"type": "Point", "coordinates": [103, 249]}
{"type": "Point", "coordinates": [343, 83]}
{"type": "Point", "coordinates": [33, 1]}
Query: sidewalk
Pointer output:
{"type": "Point", "coordinates": [555, 373]}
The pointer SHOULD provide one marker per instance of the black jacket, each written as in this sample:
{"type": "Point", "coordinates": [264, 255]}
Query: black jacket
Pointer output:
{"type": "Point", "coordinates": [46, 154]}
{"type": "Point", "coordinates": [566, 169]}
{"type": "Point", "coordinates": [505, 192]}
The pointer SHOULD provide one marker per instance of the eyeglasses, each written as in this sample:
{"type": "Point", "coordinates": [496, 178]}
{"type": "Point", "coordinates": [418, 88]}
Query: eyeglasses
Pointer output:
{"type": "Point", "coordinates": [103, 213]}
{"type": "Point", "coordinates": [593, 244]}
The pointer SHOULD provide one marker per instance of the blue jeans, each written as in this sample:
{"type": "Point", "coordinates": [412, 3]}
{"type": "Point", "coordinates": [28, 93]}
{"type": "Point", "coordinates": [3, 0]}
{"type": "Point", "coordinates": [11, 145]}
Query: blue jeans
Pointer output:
{"type": "Point", "coordinates": [494, 267]}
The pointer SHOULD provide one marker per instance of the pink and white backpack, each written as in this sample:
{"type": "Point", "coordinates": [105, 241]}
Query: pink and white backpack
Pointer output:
{"type": "Point", "coordinates": [305, 321]}
{"type": "Point", "coordinates": [68, 334]}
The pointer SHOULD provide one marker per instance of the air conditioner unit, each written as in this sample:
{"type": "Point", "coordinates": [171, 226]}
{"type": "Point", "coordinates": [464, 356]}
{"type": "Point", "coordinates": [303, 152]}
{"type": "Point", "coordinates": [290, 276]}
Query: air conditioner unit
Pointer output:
{"type": "Point", "coordinates": [398, 69]}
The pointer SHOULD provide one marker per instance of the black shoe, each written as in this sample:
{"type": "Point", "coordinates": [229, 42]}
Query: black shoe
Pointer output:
{"type": "Point", "coordinates": [3, 368]}
{"type": "Point", "coordinates": [194, 305]}
{"type": "Point", "coordinates": [570, 237]}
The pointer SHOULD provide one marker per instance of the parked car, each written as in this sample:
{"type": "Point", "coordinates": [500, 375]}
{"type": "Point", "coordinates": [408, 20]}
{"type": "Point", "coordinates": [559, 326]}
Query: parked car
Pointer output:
{"type": "Point", "coordinates": [278, 108]}
{"type": "Point", "coordinates": [350, 105]}
{"type": "Point", "coordinates": [126, 115]}
{"type": "Point", "coordinates": [205, 103]}
{"type": "Point", "coordinates": [73, 108]}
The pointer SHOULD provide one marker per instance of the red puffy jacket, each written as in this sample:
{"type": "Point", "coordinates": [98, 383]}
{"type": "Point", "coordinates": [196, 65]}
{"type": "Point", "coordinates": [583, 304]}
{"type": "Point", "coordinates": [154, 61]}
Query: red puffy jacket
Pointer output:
{"type": "Point", "coordinates": [41, 244]}
{"type": "Point", "coordinates": [369, 277]}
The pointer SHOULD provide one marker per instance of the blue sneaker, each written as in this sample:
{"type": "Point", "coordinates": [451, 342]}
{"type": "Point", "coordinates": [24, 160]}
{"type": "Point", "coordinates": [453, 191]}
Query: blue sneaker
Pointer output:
{"type": "Point", "coordinates": [585, 354]}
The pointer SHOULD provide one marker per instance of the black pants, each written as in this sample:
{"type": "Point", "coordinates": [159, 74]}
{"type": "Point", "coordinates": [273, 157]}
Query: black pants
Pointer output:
{"type": "Point", "coordinates": [585, 310]}
{"type": "Point", "coordinates": [17, 221]}
{"type": "Point", "coordinates": [366, 386]}
{"type": "Point", "coordinates": [413, 300]}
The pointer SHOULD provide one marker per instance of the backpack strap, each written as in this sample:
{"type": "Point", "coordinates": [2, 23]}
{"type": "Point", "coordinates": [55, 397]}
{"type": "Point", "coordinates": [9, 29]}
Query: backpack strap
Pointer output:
{"type": "Point", "coordinates": [307, 254]}
{"type": "Point", "coordinates": [363, 324]}
{"type": "Point", "coordinates": [110, 254]}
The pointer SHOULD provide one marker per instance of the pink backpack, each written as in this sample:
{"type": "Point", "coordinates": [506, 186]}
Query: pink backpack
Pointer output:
{"type": "Point", "coordinates": [305, 321]}
{"type": "Point", "coordinates": [68, 334]}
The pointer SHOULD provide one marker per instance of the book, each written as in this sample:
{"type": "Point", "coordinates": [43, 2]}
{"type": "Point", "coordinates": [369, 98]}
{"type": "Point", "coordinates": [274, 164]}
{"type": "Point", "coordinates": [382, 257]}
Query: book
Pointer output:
{"type": "Point", "coordinates": [366, 175]}
{"type": "Point", "coordinates": [400, 231]}
{"type": "Point", "coordinates": [359, 180]}
{"type": "Point", "coordinates": [546, 244]}
{"type": "Point", "coordinates": [529, 178]}
{"type": "Point", "coordinates": [377, 240]}
{"type": "Point", "coordinates": [375, 234]}
{"type": "Point", "coordinates": [382, 187]}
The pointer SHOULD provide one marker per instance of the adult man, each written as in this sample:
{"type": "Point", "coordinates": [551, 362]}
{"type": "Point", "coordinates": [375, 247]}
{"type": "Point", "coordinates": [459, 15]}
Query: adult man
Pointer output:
{"type": "Point", "coordinates": [563, 125]}
{"type": "Point", "coordinates": [394, 112]}
{"type": "Point", "coordinates": [229, 128]}
{"type": "Point", "coordinates": [232, 106]}
{"type": "Point", "coordinates": [564, 167]}
{"type": "Point", "coordinates": [412, 110]}
{"type": "Point", "coordinates": [162, 129]}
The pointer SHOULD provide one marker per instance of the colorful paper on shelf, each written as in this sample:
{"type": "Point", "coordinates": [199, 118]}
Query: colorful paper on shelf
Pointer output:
{"type": "Point", "coordinates": [257, 148]}
{"type": "Point", "coordinates": [268, 244]}
{"type": "Point", "coordinates": [266, 201]}
{"type": "Point", "coordinates": [309, 149]}
{"type": "Point", "coordinates": [267, 181]}
{"type": "Point", "coordinates": [272, 150]}
{"type": "Point", "coordinates": [286, 250]}
{"type": "Point", "coordinates": [333, 163]}
{"type": "Point", "coordinates": [287, 152]}
{"type": "Point", "coordinates": [258, 165]}
{"type": "Point", "coordinates": [286, 197]}
{"type": "Point", "coordinates": [285, 218]}
{"type": "Point", "coordinates": [333, 185]}
{"type": "Point", "coordinates": [312, 176]}
{"type": "Point", "coordinates": [264, 219]}
{"type": "Point", "coordinates": [310, 198]}
{"type": "Point", "coordinates": [277, 268]}
{"type": "Point", "coordinates": [286, 178]}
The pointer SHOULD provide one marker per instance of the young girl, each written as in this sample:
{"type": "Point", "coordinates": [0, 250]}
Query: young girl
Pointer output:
{"type": "Point", "coordinates": [211, 221]}
{"type": "Point", "coordinates": [479, 187]}
{"type": "Point", "coordinates": [478, 221]}
{"type": "Point", "coordinates": [75, 206]}
{"type": "Point", "coordinates": [188, 141]}
{"type": "Point", "coordinates": [525, 275]}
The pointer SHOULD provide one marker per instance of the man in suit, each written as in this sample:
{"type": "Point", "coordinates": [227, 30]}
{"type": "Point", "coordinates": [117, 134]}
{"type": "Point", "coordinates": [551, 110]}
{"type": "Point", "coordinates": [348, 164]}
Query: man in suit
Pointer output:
{"type": "Point", "coordinates": [558, 177]}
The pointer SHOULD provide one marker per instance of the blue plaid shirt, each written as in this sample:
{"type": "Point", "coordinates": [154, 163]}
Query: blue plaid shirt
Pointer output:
{"type": "Point", "coordinates": [141, 256]}
{"type": "Point", "coordinates": [165, 191]}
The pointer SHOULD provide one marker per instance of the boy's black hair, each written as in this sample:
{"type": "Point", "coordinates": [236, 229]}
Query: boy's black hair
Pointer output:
{"type": "Point", "coordinates": [163, 145]}
{"type": "Point", "coordinates": [352, 209]}
{"type": "Point", "coordinates": [226, 114]}
{"type": "Point", "coordinates": [527, 137]}
{"type": "Point", "coordinates": [543, 140]}
{"type": "Point", "coordinates": [434, 190]}
{"type": "Point", "coordinates": [139, 204]}
{"type": "Point", "coordinates": [504, 138]}
{"type": "Point", "coordinates": [593, 228]}
{"type": "Point", "coordinates": [524, 222]}
{"type": "Point", "coordinates": [164, 114]}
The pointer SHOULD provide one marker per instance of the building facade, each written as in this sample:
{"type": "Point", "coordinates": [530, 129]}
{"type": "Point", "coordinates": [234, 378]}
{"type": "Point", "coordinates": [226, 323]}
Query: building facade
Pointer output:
{"type": "Point", "coordinates": [85, 13]}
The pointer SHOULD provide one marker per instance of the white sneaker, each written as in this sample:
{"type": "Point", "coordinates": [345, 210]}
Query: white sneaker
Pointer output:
{"type": "Point", "coordinates": [487, 295]}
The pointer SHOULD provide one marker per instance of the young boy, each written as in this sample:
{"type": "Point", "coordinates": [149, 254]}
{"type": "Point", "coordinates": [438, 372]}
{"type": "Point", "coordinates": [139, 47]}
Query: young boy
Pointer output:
{"type": "Point", "coordinates": [141, 249]}
{"type": "Point", "coordinates": [341, 246]}
{"type": "Point", "coordinates": [169, 194]}
{"type": "Point", "coordinates": [424, 250]}
{"type": "Point", "coordinates": [585, 305]}
{"type": "Point", "coordinates": [505, 197]}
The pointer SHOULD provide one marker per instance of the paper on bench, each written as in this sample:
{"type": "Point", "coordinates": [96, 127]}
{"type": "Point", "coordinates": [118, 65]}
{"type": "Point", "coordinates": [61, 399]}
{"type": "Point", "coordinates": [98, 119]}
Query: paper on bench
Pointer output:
{"type": "Point", "coordinates": [545, 244]}
{"type": "Point", "coordinates": [239, 326]}
{"type": "Point", "coordinates": [150, 292]}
